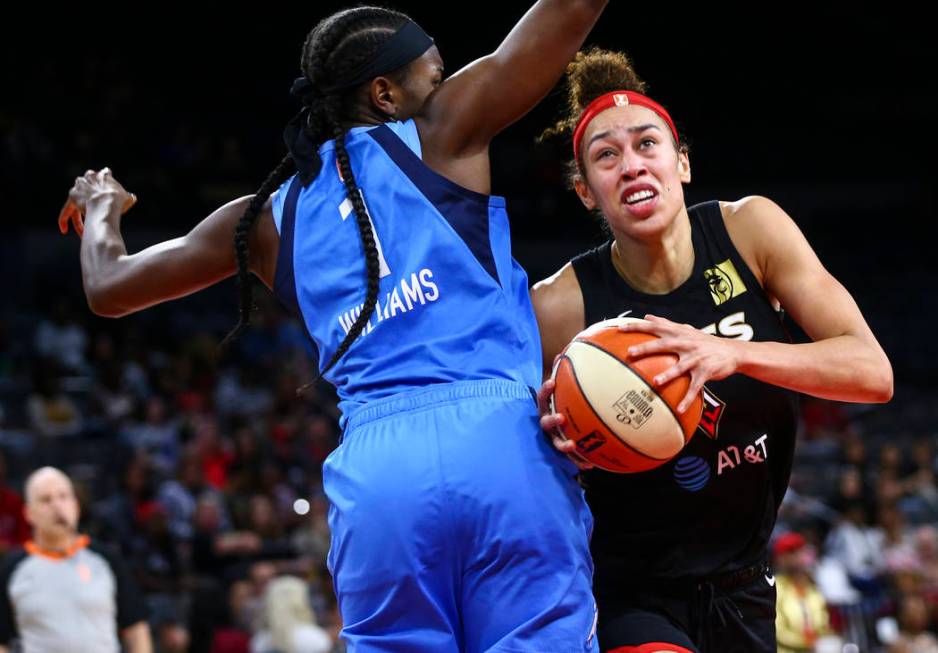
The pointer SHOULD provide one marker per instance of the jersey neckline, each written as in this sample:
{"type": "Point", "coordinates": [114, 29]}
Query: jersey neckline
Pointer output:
{"type": "Point", "coordinates": [685, 286]}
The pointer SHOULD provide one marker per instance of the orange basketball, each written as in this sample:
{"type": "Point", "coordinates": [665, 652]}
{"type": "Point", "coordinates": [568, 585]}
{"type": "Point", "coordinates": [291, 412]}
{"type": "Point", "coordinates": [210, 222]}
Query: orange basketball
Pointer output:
{"type": "Point", "coordinates": [619, 419]}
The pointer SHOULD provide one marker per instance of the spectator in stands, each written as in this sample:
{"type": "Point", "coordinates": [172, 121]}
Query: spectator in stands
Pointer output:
{"type": "Point", "coordinates": [289, 624]}
{"type": "Point", "coordinates": [801, 611]}
{"type": "Point", "coordinates": [913, 624]}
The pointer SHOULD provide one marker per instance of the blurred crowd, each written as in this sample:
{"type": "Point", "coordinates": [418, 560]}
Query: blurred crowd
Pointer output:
{"type": "Point", "coordinates": [203, 468]}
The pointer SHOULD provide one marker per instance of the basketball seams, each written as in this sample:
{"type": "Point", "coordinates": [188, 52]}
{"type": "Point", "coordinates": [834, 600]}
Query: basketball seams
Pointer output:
{"type": "Point", "coordinates": [638, 375]}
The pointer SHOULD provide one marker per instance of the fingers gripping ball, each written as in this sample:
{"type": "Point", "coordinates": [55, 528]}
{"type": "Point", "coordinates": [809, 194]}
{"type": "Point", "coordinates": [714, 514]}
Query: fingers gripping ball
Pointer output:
{"type": "Point", "coordinates": [619, 419]}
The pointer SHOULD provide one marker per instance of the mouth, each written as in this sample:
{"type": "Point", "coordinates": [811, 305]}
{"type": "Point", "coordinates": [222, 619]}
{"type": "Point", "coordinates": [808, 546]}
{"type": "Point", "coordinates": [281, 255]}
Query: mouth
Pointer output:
{"type": "Point", "coordinates": [638, 197]}
{"type": "Point", "coordinates": [640, 200]}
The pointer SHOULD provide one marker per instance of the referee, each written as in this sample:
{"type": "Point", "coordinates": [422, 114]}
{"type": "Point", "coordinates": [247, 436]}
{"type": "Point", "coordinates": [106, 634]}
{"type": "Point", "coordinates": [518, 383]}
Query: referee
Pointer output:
{"type": "Point", "coordinates": [62, 593]}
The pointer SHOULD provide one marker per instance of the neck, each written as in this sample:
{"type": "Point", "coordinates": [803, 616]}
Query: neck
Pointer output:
{"type": "Point", "coordinates": [55, 542]}
{"type": "Point", "coordinates": [659, 265]}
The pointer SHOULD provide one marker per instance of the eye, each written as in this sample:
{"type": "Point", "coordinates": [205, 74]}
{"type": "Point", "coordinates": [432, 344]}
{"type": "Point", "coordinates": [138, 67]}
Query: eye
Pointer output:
{"type": "Point", "coordinates": [605, 153]}
{"type": "Point", "coordinates": [647, 142]}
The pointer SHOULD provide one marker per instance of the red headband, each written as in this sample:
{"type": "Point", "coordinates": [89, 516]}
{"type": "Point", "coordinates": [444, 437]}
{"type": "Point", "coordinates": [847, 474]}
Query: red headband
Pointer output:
{"type": "Point", "coordinates": [616, 99]}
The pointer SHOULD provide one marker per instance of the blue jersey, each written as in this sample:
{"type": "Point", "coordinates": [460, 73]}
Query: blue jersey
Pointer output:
{"type": "Point", "coordinates": [453, 303]}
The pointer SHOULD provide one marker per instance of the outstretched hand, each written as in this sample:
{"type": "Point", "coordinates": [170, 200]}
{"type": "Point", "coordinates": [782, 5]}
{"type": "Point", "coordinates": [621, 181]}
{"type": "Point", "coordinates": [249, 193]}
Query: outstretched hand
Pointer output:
{"type": "Point", "coordinates": [552, 422]}
{"type": "Point", "coordinates": [704, 356]}
{"type": "Point", "coordinates": [87, 189]}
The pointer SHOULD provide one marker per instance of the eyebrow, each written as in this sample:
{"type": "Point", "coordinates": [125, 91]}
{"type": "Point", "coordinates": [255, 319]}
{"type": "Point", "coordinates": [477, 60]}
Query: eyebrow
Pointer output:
{"type": "Point", "coordinates": [631, 130]}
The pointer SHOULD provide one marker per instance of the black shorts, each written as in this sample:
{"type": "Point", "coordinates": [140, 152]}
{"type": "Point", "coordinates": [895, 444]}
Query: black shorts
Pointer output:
{"type": "Point", "coordinates": [734, 613]}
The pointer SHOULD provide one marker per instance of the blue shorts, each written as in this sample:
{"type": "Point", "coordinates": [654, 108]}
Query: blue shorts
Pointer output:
{"type": "Point", "coordinates": [457, 527]}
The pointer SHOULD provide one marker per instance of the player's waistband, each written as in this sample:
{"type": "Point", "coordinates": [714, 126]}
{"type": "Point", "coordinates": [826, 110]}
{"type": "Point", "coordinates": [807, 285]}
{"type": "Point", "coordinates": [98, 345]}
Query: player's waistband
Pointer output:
{"type": "Point", "coordinates": [686, 585]}
{"type": "Point", "coordinates": [740, 577]}
{"type": "Point", "coordinates": [438, 394]}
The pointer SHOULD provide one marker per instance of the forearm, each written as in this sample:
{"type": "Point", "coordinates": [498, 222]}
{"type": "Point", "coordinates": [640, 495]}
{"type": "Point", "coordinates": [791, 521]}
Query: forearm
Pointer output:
{"type": "Point", "coordinates": [117, 283]}
{"type": "Point", "coordinates": [137, 638]}
{"type": "Point", "coordinates": [844, 368]}
{"type": "Point", "coordinates": [462, 117]}
{"type": "Point", "coordinates": [527, 64]}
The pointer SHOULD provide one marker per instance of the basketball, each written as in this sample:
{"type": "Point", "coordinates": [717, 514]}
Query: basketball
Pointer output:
{"type": "Point", "coordinates": [619, 419]}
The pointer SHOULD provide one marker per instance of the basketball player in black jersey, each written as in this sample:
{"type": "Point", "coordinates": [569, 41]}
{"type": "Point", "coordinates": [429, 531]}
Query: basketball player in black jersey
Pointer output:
{"type": "Point", "coordinates": [680, 551]}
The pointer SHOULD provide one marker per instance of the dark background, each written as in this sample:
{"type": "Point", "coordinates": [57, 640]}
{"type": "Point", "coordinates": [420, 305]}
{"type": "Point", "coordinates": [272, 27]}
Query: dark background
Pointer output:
{"type": "Point", "coordinates": [828, 111]}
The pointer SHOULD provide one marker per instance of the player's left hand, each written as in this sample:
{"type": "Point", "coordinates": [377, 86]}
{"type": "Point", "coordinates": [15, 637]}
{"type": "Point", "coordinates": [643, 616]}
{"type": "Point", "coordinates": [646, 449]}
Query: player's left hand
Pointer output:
{"type": "Point", "coordinates": [704, 356]}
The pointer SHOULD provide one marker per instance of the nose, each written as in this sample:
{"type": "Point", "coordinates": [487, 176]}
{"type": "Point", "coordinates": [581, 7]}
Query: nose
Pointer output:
{"type": "Point", "coordinates": [633, 166]}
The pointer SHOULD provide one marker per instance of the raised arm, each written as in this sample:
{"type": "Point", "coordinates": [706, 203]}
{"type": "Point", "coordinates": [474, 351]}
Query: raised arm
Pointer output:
{"type": "Point", "coordinates": [117, 283]}
{"type": "Point", "coordinates": [845, 362]}
{"type": "Point", "coordinates": [461, 118]}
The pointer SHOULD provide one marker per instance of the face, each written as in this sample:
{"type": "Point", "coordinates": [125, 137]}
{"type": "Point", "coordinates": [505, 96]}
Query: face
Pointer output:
{"type": "Point", "coordinates": [403, 101]}
{"type": "Point", "coordinates": [51, 505]}
{"type": "Point", "coordinates": [632, 171]}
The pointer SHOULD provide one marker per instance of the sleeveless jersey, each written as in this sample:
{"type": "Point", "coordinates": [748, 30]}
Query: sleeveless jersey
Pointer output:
{"type": "Point", "coordinates": [453, 304]}
{"type": "Point", "coordinates": [712, 508]}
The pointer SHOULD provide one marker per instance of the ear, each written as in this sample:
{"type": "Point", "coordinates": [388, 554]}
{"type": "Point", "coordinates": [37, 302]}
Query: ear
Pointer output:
{"type": "Point", "coordinates": [385, 95]}
{"type": "Point", "coordinates": [584, 193]}
{"type": "Point", "coordinates": [683, 166]}
{"type": "Point", "coordinates": [27, 514]}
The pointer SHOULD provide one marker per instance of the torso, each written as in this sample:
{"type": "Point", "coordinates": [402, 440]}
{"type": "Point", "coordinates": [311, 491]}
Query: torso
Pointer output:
{"type": "Point", "coordinates": [712, 508]}
{"type": "Point", "coordinates": [453, 305]}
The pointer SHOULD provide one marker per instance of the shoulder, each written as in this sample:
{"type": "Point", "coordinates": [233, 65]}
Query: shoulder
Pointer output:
{"type": "Point", "coordinates": [558, 305]}
{"type": "Point", "coordinates": [555, 293]}
{"type": "Point", "coordinates": [757, 219]}
{"type": "Point", "coordinates": [757, 226]}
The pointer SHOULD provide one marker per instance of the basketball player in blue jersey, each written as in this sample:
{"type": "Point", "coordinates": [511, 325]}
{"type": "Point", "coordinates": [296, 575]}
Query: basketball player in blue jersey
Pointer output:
{"type": "Point", "coordinates": [455, 526]}
{"type": "Point", "coordinates": [680, 551]}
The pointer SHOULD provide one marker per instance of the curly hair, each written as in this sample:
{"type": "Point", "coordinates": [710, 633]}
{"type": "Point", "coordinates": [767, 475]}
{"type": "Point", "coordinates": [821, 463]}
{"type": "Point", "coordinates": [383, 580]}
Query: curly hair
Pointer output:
{"type": "Point", "coordinates": [593, 73]}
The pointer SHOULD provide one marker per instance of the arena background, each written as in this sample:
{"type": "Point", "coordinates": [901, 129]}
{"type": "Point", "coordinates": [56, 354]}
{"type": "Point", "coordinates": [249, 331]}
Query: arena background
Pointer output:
{"type": "Point", "coordinates": [829, 111]}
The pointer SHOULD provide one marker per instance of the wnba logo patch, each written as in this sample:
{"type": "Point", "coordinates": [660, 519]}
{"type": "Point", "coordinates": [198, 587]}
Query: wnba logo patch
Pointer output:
{"type": "Point", "coordinates": [692, 473]}
{"type": "Point", "coordinates": [724, 282]}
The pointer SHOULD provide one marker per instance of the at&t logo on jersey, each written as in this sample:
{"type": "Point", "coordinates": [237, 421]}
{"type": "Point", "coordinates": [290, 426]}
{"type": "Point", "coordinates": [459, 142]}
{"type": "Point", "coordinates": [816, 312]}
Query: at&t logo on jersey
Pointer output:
{"type": "Point", "coordinates": [693, 473]}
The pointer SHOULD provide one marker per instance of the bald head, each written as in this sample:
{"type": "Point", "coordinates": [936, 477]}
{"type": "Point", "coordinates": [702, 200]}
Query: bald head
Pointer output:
{"type": "Point", "coordinates": [44, 478]}
{"type": "Point", "coordinates": [51, 506]}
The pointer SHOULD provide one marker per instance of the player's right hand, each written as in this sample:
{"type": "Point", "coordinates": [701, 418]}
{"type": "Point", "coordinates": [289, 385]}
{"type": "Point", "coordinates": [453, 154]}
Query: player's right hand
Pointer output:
{"type": "Point", "coordinates": [552, 422]}
{"type": "Point", "coordinates": [88, 188]}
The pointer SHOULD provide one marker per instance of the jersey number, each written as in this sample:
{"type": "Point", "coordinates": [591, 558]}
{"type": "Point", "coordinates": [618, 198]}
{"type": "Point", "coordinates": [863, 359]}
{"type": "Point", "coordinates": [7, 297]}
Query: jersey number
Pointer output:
{"type": "Point", "coordinates": [345, 210]}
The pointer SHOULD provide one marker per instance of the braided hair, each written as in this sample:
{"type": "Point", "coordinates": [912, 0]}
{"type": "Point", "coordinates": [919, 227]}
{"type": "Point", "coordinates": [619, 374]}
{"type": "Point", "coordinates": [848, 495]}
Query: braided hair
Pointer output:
{"type": "Point", "coordinates": [333, 49]}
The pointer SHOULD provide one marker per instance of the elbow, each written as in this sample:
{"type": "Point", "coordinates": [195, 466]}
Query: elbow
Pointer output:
{"type": "Point", "coordinates": [101, 301]}
{"type": "Point", "coordinates": [880, 383]}
{"type": "Point", "coordinates": [885, 386]}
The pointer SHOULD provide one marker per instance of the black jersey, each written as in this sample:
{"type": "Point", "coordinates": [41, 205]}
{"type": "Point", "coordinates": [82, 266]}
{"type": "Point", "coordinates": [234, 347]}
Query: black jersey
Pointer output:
{"type": "Point", "coordinates": [712, 508]}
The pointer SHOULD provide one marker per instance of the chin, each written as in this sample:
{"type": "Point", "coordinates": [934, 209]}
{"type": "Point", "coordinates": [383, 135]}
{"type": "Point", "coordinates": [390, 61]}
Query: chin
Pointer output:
{"type": "Point", "coordinates": [646, 228]}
